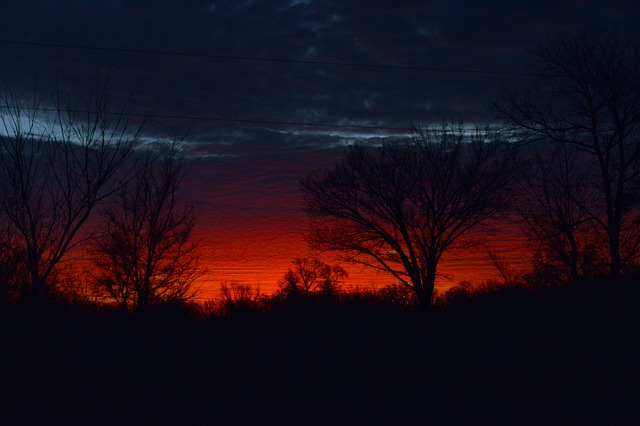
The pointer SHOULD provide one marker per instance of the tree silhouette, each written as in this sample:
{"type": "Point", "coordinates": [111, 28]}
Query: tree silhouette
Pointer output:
{"type": "Point", "coordinates": [588, 96]}
{"type": "Point", "coordinates": [56, 164]}
{"type": "Point", "coordinates": [400, 207]}
{"type": "Point", "coordinates": [312, 276]}
{"type": "Point", "coordinates": [238, 299]}
{"type": "Point", "coordinates": [554, 202]}
{"type": "Point", "coordinates": [144, 250]}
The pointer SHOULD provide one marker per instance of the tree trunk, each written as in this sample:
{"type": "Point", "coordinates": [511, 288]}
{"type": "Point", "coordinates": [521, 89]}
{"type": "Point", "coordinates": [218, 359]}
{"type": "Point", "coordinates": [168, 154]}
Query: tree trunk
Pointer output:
{"type": "Point", "coordinates": [424, 290]}
{"type": "Point", "coordinates": [614, 252]}
{"type": "Point", "coordinates": [429, 285]}
{"type": "Point", "coordinates": [142, 302]}
{"type": "Point", "coordinates": [34, 294]}
{"type": "Point", "coordinates": [574, 274]}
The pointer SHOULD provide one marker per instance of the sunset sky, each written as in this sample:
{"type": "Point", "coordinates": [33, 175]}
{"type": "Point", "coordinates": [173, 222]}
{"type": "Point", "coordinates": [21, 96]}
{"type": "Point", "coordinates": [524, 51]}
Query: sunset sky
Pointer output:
{"type": "Point", "coordinates": [270, 90]}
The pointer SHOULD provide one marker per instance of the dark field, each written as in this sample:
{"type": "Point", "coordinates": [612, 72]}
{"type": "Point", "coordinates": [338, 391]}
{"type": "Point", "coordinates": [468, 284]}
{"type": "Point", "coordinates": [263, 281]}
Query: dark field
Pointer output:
{"type": "Point", "coordinates": [512, 356]}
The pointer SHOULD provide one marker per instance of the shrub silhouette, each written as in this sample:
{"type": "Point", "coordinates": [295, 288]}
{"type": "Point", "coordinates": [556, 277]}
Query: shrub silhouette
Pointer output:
{"type": "Point", "coordinates": [312, 276]}
{"type": "Point", "coordinates": [238, 300]}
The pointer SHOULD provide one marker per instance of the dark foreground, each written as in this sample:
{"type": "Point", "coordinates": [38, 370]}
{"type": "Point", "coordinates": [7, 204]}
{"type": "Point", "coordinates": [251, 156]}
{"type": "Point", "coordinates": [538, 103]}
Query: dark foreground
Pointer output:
{"type": "Point", "coordinates": [552, 356]}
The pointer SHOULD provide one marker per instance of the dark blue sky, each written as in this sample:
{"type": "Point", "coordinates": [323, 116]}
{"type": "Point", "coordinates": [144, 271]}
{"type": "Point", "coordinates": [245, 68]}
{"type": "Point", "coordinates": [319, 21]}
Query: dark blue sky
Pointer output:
{"type": "Point", "coordinates": [247, 170]}
{"type": "Point", "coordinates": [453, 35]}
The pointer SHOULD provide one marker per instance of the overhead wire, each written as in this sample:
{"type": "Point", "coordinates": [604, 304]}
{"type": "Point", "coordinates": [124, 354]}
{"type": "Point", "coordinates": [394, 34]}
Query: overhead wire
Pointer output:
{"type": "Point", "coordinates": [254, 59]}
{"type": "Point", "coordinates": [261, 59]}
{"type": "Point", "coordinates": [221, 119]}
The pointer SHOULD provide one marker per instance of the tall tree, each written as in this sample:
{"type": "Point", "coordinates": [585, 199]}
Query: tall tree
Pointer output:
{"type": "Point", "coordinates": [553, 202]}
{"type": "Point", "coordinates": [56, 164]}
{"type": "Point", "coordinates": [144, 251]}
{"type": "Point", "coordinates": [587, 95]}
{"type": "Point", "coordinates": [400, 207]}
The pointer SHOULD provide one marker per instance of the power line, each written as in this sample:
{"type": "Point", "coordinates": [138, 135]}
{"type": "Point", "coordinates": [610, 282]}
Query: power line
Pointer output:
{"type": "Point", "coordinates": [255, 59]}
{"type": "Point", "coordinates": [259, 59]}
{"type": "Point", "coordinates": [223, 119]}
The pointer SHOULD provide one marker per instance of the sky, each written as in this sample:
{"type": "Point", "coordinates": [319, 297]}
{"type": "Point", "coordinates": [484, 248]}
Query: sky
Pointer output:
{"type": "Point", "coordinates": [268, 91]}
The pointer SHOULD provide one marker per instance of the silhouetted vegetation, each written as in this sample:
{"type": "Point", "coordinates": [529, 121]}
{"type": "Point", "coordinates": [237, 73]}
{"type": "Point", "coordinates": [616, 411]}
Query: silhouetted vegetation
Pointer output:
{"type": "Point", "coordinates": [553, 194]}
{"type": "Point", "coordinates": [237, 301]}
{"type": "Point", "coordinates": [400, 207]}
{"type": "Point", "coordinates": [555, 348]}
{"type": "Point", "coordinates": [587, 100]}
{"type": "Point", "coordinates": [56, 166]}
{"type": "Point", "coordinates": [312, 276]}
{"type": "Point", "coordinates": [143, 250]}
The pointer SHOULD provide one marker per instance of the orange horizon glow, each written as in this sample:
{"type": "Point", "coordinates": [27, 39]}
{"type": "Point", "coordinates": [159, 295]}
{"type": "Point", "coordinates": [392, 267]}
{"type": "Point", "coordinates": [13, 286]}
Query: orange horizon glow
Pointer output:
{"type": "Point", "coordinates": [252, 226]}
{"type": "Point", "coordinates": [260, 259]}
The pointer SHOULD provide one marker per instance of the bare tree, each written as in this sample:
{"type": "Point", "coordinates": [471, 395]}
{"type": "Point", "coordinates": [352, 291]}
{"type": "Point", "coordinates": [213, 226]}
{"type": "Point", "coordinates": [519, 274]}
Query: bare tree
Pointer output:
{"type": "Point", "coordinates": [399, 208]}
{"type": "Point", "coordinates": [312, 276]}
{"type": "Point", "coordinates": [588, 96]}
{"type": "Point", "coordinates": [238, 299]}
{"type": "Point", "coordinates": [144, 250]}
{"type": "Point", "coordinates": [56, 164]}
{"type": "Point", "coordinates": [554, 202]}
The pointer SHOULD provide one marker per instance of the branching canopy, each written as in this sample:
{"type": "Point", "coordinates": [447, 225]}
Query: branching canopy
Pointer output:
{"type": "Point", "coordinates": [399, 207]}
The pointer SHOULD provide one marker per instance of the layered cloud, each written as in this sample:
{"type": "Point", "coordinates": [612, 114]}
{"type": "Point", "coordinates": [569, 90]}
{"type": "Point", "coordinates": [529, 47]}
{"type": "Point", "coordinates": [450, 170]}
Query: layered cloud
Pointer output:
{"type": "Point", "coordinates": [461, 38]}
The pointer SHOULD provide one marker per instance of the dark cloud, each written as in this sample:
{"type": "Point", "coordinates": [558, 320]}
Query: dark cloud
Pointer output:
{"type": "Point", "coordinates": [460, 35]}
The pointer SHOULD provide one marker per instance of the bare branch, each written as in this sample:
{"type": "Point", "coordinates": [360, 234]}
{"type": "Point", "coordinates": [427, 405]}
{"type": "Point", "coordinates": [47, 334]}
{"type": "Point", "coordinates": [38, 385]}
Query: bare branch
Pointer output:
{"type": "Point", "coordinates": [399, 208]}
